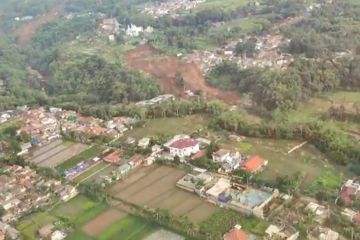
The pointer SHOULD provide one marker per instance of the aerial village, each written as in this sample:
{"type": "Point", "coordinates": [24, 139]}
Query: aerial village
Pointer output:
{"type": "Point", "coordinates": [24, 190]}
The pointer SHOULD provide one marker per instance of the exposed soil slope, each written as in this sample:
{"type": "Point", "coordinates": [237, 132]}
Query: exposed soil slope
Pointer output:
{"type": "Point", "coordinates": [164, 68]}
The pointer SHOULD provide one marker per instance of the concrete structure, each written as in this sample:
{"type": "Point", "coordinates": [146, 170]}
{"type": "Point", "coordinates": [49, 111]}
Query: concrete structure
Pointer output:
{"type": "Point", "coordinates": [144, 142]}
{"type": "Point", "coordinates": [281, 232]}
{"type": "Point", "coordinates": [323, 233]}
{"type": "Point", "coordinates": [183, 147]}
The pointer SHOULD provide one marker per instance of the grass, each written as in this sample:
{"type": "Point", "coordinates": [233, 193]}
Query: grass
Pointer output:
{"type": "Point", "coordinates": [316, 107]}
{"type": "Point", "coordinates": [224, 219]}
{"type": "Point", "coordinates": [33, 222]}
{"type": "Point", "coordinates": [170, 126]}
{"type": "Point", "coordinates": [85, 155]}
{"type": "Point", "coordinates": [306, 159]}
{"type": "Point", "coordinates": [329, 181]}
{"type": "Point", "coordinates": [129, 228]}
{"type": "Point", "coordinates": [74, 208]}
{"type": "Point", "coordinates": [223, 4]}
{"type": "Point", "coordinates": [90, 171]}
{"type": "Point", "coordinates": [79, 235]}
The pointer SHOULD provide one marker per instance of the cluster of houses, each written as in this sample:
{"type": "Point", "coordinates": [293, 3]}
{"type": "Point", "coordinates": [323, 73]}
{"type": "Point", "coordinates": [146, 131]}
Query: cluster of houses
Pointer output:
{"type": "Point", "coordinates": [22, 190]}
{"type": "Point", "coordinates": [170, 7]}
{"type": "Point", "coordinates": [220, 191]}
{"type": "Point", "coordinates": [50, 231]}
{"type": "Point", "coordinates": [8, 232]}
{"type": "Point", "coordinates": [267, 54]}
{"type": "Point", "coordinates": [45, 126]}
{"type": "Point", "coordinates": [111, 27]}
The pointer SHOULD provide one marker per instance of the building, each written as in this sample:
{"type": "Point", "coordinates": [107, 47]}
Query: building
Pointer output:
{"type": "Point", "coordinates": [68, 193]}
{"type": "Point", "coordinates": [323, 233]}
{"type": "Point", "coordinates": [136, 160]}
{"type": "Point", "coordinates": [58, 235]}
{"type": "Point", "coordinates": [113, 157]}
{"type": "Point", "coordinates": [349, 190]}
{"type": "Point", "coordinates": [321, 212]}
{"type": "Point", "coordinates": [184, 147]}
{"type": "Point", "coordinates": [124, 169]}
{"type": "Point", "coordinates": [46, 231]}
{"type": "Point", "coordinates": [351, 215]}
{"type": "Point", "coordinates": [281, 232]}
{"type": "Point", "coordinates": [220, 155]}
{"type": "Point", "coordinates": [237, 233]}
{"type": "Point", "coordinates": [195, 181]}
{"type": "Point", "coordinates": [144, 142]}
{"type": "Point", "coordinates": [254, 164]}
{"type": "Point", "coordinates": [110, 26]}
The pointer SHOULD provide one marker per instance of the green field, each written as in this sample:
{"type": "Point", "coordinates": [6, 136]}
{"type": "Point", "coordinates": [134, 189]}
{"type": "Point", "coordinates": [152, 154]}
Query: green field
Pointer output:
{"type": "Point", "coordinates": [77, 211]}
{"type": "Point", "coordinates": [32, 223]}
{"type": "Point", "coordinates": [85, 155]}
{"type": "Point", "coordinates": [223, 4]}
{"type": "Point", "coordinates": [316, 107]}
{"type": "Point", "coordinates": [170, 126]}
{"type": "Point", "coordinates": [129, 228]}
{"type": "Point", "coordinates": [306, 159]}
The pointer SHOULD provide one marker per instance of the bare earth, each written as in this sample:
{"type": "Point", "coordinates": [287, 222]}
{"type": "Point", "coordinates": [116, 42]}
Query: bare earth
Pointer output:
{"type": "Point", "coordinates": [25, 32]}
{"type": "Point", "coordinates": [57, 155]}
{"type": "Point", "coordinates": [155, 186]}
{"type": "Point", "coordinates": [102, 221]}
{"type": "Point", "coordinates": [164, 68]}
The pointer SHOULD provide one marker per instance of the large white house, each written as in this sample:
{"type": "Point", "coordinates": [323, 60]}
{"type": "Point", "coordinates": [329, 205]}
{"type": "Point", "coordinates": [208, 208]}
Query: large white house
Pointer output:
{"type": "Point", "coordinates": [183, 147]}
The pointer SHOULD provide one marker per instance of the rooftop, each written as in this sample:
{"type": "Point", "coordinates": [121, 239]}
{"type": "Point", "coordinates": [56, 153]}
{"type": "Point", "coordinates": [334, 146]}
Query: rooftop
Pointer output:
{"type": "Point", "coordinates": [253, 164]}
{"type": "Point", "coordinates": [184, 143]}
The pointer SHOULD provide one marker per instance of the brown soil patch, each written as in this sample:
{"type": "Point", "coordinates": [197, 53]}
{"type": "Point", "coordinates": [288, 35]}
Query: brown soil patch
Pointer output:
{"type": "Point", "coordinates": [164, 68]}
{"type": "Point", "coordinates": [102, 221]}
{"type": "Point", "coordinates": [25, 32]}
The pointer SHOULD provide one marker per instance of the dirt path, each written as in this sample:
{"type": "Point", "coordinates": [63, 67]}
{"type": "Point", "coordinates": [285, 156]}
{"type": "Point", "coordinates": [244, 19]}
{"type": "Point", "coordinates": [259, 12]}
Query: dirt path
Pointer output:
{"type": "Point", "coordinates": [26, 31]}
{"type": "Point", "coordinates": [164, 68]}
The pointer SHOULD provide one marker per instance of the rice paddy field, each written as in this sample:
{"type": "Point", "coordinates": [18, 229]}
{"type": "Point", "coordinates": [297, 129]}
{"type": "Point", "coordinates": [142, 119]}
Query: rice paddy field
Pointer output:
{"type": "Point", "coordinates": [155, 186]}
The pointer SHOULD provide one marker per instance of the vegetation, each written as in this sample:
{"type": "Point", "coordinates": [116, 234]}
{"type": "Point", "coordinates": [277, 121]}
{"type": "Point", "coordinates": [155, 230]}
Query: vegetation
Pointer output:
{"type": "Point", "coordinates": [85, 155]}
{"type": "Point", "coordinates": [223, 220]}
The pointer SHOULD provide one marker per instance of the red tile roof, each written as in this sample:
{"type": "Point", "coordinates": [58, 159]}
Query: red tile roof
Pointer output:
{"type": "Point", "coordinates": [357, 219]}
{"type": "Point", "coordinates": [199, 154]}
{"type": "Point", "coordinates": [253, 164]}
{"type": "Point", "coordinates": [346, 194]}
{"type": "Point", "coordinates": [236, 234]}
{"type": "Point", "coordinates": [113, 157]}
{"type": "Point", "coordinates": [184, 143]}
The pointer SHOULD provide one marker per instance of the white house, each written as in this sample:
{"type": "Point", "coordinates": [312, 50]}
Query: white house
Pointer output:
{"type": "Point", "coordinates": [68, 193]}
{"type": "Point", "coordinates": [184, 147]}
{"type": "Point", "coordinates": [144, 142]}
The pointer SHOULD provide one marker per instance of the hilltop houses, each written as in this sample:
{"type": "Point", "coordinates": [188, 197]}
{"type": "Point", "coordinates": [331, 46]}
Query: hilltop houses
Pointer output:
{"type": "Point", "coordinates": [350, 190]}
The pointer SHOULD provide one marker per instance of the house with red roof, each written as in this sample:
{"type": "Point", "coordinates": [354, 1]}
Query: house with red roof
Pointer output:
{"type": "Point", "coordinates": [350, 190]}
{"type": "Point", "coordinates": [183, 146]}
{"type": "Point", "coordinates": [254, 164]}
{"type": "Point", "coordinates": [237, 234]}
{"type": "Point", "coordinates": [113, 157]}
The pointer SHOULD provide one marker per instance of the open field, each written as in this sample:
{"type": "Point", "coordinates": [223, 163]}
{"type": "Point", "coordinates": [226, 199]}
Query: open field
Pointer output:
{"type": "Point", "coordinates": [223, 4]}
{"type": "Point", "coordinates": [170, 126]}
{"type": "Point", "coordinates": [155, 187]}
{"type": "Point", "coordinates": [82, 156]}
{"type": "Point", "coordinates": [306, 159]}
{"type": "Point", "coordinates": [32, 223]}
{"type": "Point", "coordinates": [42, 150]}
{"type": "Point", "coordinates": [164, 68]}
{"type": "Point", "coordinates": [25, 32]}
{"type": "Point", "coordinates": [102, 221]}
{"type": "Point", "coordinates": [316, 107]}
{"type": "Point", "coordinates": [56, 154]}
{"type": "Point", "coordinates": [129, 228]}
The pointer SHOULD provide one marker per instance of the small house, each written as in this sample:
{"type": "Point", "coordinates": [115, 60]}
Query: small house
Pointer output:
{"type": "Point", "coordinates": [144, 142]}
{"type": "Point", "coordinates": [254, 164]}
{"type": "Point", "coordinates": [124, 169]}
{"type": "Point", "coordinates": [184, 147]}
{"type": "Point", "coordinates": [113, 157]}
{"type": "Point", "coordinates": [136, 160]}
